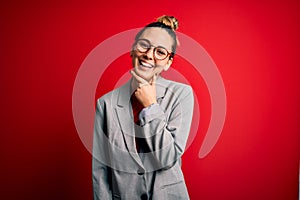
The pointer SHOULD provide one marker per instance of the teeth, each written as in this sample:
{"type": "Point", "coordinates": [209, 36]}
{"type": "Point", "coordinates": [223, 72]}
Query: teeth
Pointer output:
{"type": "Point", "coordinates": [146, 64]}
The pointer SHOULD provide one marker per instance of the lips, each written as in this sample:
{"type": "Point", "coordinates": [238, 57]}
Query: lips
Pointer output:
{"type": "Point", "coordinates": [145, 64]}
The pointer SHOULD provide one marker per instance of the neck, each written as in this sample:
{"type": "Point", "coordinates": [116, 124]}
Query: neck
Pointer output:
{"type": "Point", "coordinates": [134, 85]}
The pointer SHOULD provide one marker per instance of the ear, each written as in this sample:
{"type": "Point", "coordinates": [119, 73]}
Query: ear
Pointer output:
{"type": "Point", "coordinates": [168, 64]}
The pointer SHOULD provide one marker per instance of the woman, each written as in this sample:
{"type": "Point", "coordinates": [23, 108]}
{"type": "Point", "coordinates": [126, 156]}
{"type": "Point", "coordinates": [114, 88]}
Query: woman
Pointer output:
{"type": "Point", "coordinates": [141, 128]}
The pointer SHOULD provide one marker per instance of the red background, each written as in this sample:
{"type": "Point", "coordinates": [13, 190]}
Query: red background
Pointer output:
{"type": "Point", "coordinates": [255, 46]}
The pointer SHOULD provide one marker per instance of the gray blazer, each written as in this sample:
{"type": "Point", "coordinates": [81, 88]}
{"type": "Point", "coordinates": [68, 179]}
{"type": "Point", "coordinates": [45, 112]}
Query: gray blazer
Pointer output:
{"type": "Point", "coordinates": [119, 172]}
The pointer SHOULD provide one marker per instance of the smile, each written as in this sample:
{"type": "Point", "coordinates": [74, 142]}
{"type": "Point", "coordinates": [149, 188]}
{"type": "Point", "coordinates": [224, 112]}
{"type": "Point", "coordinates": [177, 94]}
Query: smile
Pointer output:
{"type": "Point", "coordinates": [145, 64]}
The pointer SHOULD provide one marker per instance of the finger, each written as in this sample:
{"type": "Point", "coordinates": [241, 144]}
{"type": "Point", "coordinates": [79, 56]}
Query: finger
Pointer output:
{"type": "Point", "coordinates": [142, 84]}
{"type": "Point", "coordinates": [137, 77]}
{"type": "Point", "coordinates": [153, 80]}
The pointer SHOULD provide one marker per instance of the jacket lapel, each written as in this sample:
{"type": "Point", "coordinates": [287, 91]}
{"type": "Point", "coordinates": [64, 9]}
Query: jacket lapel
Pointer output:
{"type": "Point", "coordinates": [161, 87]}
{"type": "Point", "coordinates": [125, 116]}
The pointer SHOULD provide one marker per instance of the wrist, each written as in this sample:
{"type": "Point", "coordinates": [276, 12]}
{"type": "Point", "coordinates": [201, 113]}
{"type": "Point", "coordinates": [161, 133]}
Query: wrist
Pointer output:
{"type": "Point", "coordinates": [149, 104]}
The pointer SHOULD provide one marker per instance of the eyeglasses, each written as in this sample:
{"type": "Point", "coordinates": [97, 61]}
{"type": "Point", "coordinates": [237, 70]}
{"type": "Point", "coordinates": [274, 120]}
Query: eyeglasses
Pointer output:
{"type": "Point", "coordinates": [159, 52]}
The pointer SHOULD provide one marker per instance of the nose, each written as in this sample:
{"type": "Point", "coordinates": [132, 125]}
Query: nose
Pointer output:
{"type": "Point", "coordinates": [149, 54]}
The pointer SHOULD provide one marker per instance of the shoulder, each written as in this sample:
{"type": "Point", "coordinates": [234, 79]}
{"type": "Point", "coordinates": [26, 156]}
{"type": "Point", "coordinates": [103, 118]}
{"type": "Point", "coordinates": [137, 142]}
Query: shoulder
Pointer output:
{"type": "Point", "coordinates": [116, 96]}
{"type": "Point", "coordinates": [181, 89]}
{"type": "Point", "coordinates": [108, 95]}
{"type": "Point", "coordinates": [108, 98]}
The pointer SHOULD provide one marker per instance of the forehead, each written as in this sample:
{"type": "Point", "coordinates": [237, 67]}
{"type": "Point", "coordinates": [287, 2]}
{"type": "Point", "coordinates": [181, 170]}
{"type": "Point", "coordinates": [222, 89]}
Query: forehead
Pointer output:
{"type": "Point", "coordinates": [158, 37]}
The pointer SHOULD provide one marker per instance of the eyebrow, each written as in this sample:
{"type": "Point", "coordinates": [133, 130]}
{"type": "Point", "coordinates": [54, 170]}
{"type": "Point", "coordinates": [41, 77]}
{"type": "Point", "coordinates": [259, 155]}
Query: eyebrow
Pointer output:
{"type": "Point", "coordinates": [155, 45]}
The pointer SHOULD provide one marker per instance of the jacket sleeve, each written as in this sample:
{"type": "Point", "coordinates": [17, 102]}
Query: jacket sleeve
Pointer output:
{"type": "Point", "coordinates": [166, 132]}
{"type": "Point", "coordinates": [100, 172]}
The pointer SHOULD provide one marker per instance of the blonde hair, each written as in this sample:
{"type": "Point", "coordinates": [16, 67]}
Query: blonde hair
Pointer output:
{"type": "Point", "coordinates": [169, 21]}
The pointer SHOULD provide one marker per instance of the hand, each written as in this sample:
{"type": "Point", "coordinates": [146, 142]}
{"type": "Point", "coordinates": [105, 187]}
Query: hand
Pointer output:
{"type": "Point", "coordinates": [146, 91]}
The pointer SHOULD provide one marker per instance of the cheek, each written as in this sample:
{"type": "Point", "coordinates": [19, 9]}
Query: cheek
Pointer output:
{"type": "Point", "coordinates": [134, 55]}
{"type": "Point", "coordinates": [159, 68]}
{"type": "Point", "coordinates": [134, 58]}
{"type": "Point", "coordinates": [162, 64]}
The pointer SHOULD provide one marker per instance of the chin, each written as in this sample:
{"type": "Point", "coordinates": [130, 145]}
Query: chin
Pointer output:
{"type": "Point", "coordinates": [145, 75]}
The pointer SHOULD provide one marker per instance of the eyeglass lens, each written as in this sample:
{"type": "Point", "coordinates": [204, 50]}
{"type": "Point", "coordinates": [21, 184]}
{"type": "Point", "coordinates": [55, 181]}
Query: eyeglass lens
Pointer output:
{"type": "Point", "coordinates": [143, 46]}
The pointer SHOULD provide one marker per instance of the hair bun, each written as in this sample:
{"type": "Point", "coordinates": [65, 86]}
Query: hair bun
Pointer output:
{"type": "Point", "coordinates": [169, 21]}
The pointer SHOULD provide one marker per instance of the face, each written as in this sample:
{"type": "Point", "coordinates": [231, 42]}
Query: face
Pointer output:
{"type": "Point", "coordinates": [145, 64]}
